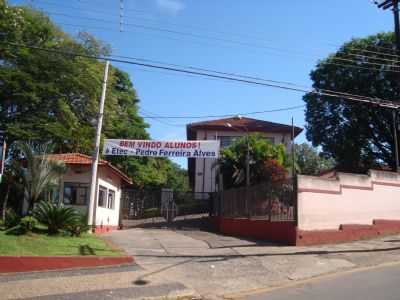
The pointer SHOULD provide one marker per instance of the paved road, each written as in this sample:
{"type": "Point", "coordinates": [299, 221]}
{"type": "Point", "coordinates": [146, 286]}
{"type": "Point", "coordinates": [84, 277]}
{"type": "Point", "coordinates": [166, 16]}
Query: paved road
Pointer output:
{"type": "Point", "coordinates": [175, 263]}
{"type": "Point", "coordinates": [380, 283]}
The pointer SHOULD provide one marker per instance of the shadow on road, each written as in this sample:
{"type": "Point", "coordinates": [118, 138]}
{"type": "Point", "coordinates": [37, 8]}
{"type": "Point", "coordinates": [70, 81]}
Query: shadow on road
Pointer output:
{"type": "Point", "coordinates": [311, 252]}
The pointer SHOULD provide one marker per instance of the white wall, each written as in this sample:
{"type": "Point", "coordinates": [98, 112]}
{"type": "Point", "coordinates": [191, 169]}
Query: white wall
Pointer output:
{"type": "Point", "coordinates": [204, 171]}
{"type": "Point", "coordinates": [107, 216]}
{"type": "Point", "coordinates": [348, 199]}
{"type": "Point", "coordinates": [81, 174]}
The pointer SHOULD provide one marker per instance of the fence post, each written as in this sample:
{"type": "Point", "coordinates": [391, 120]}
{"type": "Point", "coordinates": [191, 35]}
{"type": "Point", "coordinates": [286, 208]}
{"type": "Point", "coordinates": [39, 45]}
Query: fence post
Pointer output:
{"type": "Point", "coordinates": [295, 200]}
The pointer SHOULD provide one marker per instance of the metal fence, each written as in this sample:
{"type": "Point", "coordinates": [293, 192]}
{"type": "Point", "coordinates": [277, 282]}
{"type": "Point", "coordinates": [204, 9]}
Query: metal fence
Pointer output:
{"type": "Point", "coordinates": [274, 202]}
{"type": "Point", "coordinates": [165, 203]}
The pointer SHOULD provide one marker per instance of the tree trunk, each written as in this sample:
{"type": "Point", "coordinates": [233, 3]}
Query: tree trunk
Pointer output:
{"type": "Point", "coordinates": [5, 203]}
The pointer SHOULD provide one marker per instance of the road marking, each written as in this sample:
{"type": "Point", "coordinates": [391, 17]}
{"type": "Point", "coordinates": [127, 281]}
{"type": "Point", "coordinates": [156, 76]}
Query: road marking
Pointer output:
{"type": "Point", "coordinates": [299, 283]}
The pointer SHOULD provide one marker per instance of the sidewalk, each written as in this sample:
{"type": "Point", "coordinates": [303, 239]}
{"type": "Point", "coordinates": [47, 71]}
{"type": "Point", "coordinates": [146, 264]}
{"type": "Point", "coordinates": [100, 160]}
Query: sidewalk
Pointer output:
{"type": "Point", "coordinates": [200, 263]}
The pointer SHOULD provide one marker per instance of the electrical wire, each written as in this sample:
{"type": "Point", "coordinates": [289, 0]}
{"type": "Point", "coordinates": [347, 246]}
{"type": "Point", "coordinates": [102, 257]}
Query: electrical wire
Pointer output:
{"type": "Point", "coordinates": [158, 29]}
{"type": "Point", "coordinates": [358, 55]}
{"type": "Point", "coordinates": [231, 115]}
{"type": "Point", "coordinates": [335, 94]}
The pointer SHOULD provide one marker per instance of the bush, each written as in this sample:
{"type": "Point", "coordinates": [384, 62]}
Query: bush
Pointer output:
{"type": "Point", "coordinates": [28, 223]}
{"type": "Point", "coordinates": [80, 225]}
{"type": "Point", "coordinates": [12, 219]}
{"type": "Point", "coordinates": [56, 218]}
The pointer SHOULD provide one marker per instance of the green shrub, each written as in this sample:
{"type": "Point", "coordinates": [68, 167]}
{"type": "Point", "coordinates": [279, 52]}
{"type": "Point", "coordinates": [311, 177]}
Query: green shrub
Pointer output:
{"type": "Point", "coordinates": [79, 226]}
{"type": "Point", "coordinates": [28, 223]}
{"type": "Point", "coordinates": [56, 218]}
{"type": "Point", "coordinates": [12, 219]}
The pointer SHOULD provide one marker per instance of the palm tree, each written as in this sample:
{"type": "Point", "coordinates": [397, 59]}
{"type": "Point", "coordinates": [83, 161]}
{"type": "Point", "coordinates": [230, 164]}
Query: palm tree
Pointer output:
{"type": "Point", "coordinates": [38, 172]}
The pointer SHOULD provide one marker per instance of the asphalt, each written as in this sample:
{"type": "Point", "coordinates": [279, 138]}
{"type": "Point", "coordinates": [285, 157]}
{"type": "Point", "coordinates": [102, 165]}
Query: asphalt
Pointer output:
{"type": "Point", "coordinates": [199, 264]}
{"type": "Point", "coordinates": [380, 283]}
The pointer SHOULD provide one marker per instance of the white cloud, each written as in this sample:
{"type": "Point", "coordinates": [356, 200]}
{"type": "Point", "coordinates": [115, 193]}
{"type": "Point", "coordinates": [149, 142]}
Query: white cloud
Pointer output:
{"type": "Point", "coordinates": [171, 6]}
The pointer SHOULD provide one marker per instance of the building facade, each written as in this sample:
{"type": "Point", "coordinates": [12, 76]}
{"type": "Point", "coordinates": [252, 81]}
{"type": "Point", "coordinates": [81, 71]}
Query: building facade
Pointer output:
{"type": "Point", "coordinates": [75, 188]}
{"type": "Point", "coordinates": [203, 172]}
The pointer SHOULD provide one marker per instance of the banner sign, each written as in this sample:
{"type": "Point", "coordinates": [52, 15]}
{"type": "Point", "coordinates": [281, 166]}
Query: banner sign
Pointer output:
{"type": "Point", "coordinates": [195, 149]}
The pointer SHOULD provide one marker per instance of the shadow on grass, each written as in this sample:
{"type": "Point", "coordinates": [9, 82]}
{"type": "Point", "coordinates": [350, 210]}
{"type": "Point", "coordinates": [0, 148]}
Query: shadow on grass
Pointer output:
{"type": "Point", "coordinates": [18, 230]}
{"type": "Point", "coordinates": [86, 250]}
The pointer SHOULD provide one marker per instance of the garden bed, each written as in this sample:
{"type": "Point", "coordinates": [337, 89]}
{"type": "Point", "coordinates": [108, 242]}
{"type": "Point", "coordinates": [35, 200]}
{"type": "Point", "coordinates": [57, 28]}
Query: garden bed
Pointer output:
{"type": "Point", "coordinates": [42, 244]}
{"type": "Point", "coordinates": [38, 251]}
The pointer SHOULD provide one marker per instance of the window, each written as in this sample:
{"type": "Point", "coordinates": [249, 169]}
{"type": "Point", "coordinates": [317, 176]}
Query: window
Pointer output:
{"type": "Point", "coordinates": [111, 199]}
{"type": "Point", "coordinates": [102, 202]}
{"type": "Point", "coordinates": [76, 193]}
{"type": "Point", "coordinates": [226, 141]}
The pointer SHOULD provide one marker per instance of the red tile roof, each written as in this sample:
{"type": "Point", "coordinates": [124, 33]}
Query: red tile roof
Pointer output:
{"type": "Point", "coordinates": [82, 159]}
{"type": "Point", "coordinates": [242, 123]}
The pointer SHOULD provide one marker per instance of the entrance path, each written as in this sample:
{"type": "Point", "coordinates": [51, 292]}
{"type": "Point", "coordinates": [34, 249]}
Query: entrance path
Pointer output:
{"type": "Point", "coordinates": [214, 265]}
{"type": "Point", "coordinates": [189, 262]}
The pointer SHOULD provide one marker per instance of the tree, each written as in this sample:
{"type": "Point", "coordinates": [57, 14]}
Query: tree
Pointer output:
{"type": "Point", "coordinates": [262, 154]}
{"type": "Point", "coordinates": [357, 136]}
{"type": "Point", "coordinates": [309, 161]}
{"type": "Point", "coordinates": [54, 97]}
{"type": "Point", "coordinates": [37, 172]}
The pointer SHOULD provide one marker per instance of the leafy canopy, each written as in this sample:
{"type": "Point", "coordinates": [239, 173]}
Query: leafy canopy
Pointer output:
{"type": "Point", "coordinates": [52, 97]}
{"type": "Point", "coordinates": [309, 161]}
{"type": "Point", "coordinates": [357, 136]}
{"type": "Point", "coordinates": [233, 160]}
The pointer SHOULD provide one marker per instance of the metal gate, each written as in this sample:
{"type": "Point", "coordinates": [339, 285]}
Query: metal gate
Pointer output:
{"type": "Point", "coordinates": [163, 207]}
{"type": "Point", "coordinates": [276, 202]}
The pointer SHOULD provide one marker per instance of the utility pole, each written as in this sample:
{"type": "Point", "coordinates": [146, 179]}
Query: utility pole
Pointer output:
{"type": "Point", "coordinates": [95, 157]}
{"type": "Point", "coordinates": [394, 5]}
{"type": "Point", "coordinates": [3, 157]}
{"type": "Point", "coordinates": [293, 152]}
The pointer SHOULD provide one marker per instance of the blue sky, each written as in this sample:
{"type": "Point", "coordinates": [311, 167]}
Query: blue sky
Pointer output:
{"type": "Point", "coordinates": [278, 40]}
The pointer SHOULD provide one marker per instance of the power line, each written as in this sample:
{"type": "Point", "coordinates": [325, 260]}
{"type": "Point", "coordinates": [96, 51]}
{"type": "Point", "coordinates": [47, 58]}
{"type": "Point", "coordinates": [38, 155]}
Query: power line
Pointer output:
{"type": "Point", "coordinates": [340, 95]}
{"type": "Point", "coordinates": [270, 48]}
{"type": "Point", "coordinates": [158, 29]}
{"type": "Point", "coordinates": [230, 115]}
{"type": "Point", "coordinates": [257, 46]}
{"type": "Point", "coordinates": [213, 29]}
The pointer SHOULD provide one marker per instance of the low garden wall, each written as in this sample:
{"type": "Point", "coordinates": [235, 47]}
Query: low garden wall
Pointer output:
{"type": "Point", "coordinates": [347, 199]}
{"type": "Point", "coordinates": [348, 207]}
{"type": "Point", "coordinates": [330, 210]}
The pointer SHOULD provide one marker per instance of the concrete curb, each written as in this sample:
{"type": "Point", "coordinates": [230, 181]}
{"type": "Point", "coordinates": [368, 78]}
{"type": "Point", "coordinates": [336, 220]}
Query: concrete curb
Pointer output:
{"type": "Point", "coordinates": [267, 289]}
{"type": "Point", "coordinates": [18, 264]}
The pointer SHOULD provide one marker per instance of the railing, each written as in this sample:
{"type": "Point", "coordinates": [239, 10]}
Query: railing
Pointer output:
{"type": "Point", "coordinates": [143, 204]}
{"type": "Point", "coordinates": [274, 202]}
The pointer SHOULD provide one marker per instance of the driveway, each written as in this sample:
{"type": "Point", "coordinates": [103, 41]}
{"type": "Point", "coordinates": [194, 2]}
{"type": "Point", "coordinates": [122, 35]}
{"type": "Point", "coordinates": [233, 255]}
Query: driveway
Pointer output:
{"type": "Point", "coordinates": [214, 265]}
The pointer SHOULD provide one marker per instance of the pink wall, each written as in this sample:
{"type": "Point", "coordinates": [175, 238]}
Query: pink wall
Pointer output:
{"type": "Point", "coordinates": [325, 203]}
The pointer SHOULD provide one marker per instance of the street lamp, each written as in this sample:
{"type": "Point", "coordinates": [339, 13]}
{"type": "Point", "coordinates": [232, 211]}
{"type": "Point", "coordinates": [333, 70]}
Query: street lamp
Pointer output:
{"type": "Point", "coordinates": [248, 151]}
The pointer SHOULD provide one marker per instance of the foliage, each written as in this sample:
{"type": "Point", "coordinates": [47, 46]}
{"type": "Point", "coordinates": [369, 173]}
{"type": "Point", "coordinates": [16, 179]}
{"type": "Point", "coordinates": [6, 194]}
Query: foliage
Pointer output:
{"type": "Point", "coordinates": [79, 226]}
{"type": "Point", "coordinates": [358, 136]}
{"type": "Point", "coordinates": [38, 172]}
{"type": "Point", "coordinates": [36, 244]}
{"type": "Point", "coordinates": [28, 223]}
{"type": "Point", "coordinates": [271, 172]}
{"type": "Point", "coordinates": [55, 217]}
{"type": "Point", "coordinates": [50, 96]}
{"type": "Point", "coordinates": [309, 161]}
{"type": "Point", "coordinates": [12, 219]}
{"type": "Point", "coordinates": [233, 160]}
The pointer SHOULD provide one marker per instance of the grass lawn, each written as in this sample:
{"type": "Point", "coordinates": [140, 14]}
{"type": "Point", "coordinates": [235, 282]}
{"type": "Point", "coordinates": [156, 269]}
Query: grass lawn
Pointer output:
{"type": "Point", "coordinates": [41, 244]}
